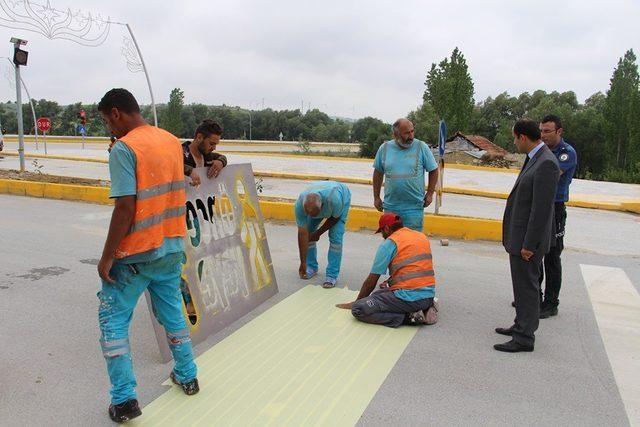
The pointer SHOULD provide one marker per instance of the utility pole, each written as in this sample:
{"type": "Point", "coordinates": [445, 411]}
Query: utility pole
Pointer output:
{"type": "Point", "coordinates": [19, 58]}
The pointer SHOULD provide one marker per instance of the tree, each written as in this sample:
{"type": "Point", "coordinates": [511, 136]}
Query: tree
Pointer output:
{"type": "Point", "coordinates": [494, 118]}
{"type": "Point", "coordinates": [294, 127]}
{"type": "Point", "coordinates": [95, 126]}
{"type": "Point", "coordinates": [450, 91]}
{"type": "Point", "coordinates": [9, 118]}
{"type": "Point", "coordinates": [312, 119]}
{"type": "Point", "coordinates": [147, 112]}
{"type": "Point", "coordinates": [171, 119]}
{"type": "Point", "coordinates": [361, 126]}
{"type": "Point", "coordinates": [200, 112]}
{"type": "Point", "coordinates": [232, 119]}
{"type": "Point", "coordinates": [189, 123]}
{"type": "Point", "coordinates": [622, 113]}
{"type": "Point", "coordinates": [425, 123]}
{"type": "Point", "coordinates": [562, 105]}
{"type": "Point", "coordinates": [375, 135]}
{"type": "Point", "coordinates": [586, 131]}
{"type": "Point", "coordinates": [67, 121]}
{"type": "Point", "coordinates": [338, 131]}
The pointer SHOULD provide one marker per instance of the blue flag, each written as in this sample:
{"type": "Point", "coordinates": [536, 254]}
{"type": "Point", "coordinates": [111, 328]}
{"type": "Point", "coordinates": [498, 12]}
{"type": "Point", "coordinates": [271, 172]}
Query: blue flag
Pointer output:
{"type": "Point", "coordinates": [442, 137]}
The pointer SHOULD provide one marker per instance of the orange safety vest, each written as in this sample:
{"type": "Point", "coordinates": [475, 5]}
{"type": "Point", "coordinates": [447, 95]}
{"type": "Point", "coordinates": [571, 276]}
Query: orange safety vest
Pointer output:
{"type": "Point", "coordinates": [160, 192]}
{"type": "Point", "coordinates": [412, 267]}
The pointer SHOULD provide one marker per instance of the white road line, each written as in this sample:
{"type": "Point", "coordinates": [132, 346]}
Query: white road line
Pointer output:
{"type": "Point", "coordinates": [616, 304]}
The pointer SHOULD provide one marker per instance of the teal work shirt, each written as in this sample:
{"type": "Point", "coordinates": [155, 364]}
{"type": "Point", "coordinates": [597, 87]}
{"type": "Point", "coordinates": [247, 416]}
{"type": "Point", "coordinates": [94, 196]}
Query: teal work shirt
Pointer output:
{"type": "Point", "coordinates": [122, 170]}
{"type": "Point", "coordinates": [334, 196]}
{"type": "Point", "coordinates": [403, 170]}
{"type": "Point", "coordinates": [385, 254]}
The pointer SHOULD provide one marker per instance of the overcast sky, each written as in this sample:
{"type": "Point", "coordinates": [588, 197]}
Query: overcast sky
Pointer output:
{"type": "Point", "coordinates": [347, 58]}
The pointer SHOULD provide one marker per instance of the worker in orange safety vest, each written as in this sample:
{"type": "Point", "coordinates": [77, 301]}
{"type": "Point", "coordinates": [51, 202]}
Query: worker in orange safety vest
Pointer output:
{"type": "Point", "coordinates": [144, 249]}
{"type": "Point", "coordinates": [407, 297]}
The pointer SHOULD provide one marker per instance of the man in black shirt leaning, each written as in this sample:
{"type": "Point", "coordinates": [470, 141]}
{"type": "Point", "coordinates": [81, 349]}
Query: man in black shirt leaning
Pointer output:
{"type": "Point", "coordinates": [199, 152]}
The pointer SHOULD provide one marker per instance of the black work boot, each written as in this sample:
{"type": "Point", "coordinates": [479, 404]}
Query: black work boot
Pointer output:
{"type": "Point", "coordinates": [189, 388]}
{"type": "Point", "coordinates": [548, 309]}
{"type": "Point", "coordinates": [125, 411]}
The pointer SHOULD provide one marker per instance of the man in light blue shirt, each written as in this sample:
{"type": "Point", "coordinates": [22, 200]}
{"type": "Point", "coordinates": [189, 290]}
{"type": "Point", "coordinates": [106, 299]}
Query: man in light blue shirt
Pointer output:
{"type": "Point", "coordinates": [401, 164]}
{"type": "Point", "coordinates": [322, 200]}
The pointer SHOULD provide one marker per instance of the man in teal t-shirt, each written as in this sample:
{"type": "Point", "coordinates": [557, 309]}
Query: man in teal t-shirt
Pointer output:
{"type": "Point", "coordinates": [327, 200]}
{"type": "Point", "coordinates": [401, 163]}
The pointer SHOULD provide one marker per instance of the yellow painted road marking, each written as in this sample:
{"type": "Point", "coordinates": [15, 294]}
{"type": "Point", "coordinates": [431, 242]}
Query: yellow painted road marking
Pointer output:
{"type": "Point", "coordinates": [302, 362]}
{"type": "Point", "coordinates": [616, 305]}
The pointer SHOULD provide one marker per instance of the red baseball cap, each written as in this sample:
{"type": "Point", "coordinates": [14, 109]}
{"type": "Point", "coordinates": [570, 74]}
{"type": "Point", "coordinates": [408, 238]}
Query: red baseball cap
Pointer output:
{"type": "Point", "coordinates": [388, 218]}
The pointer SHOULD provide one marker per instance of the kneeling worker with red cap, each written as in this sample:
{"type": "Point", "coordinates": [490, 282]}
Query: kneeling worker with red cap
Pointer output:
{"type": "Point", "coordinates": [407, 297]}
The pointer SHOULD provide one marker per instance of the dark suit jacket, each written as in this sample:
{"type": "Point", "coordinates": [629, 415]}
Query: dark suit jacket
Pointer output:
{"type": "Point", "coordinates": [528, 216]}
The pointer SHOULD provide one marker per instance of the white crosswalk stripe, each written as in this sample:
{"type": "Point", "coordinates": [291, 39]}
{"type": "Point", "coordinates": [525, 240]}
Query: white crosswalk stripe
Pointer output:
{"type": "Point", "coordinates": [616, 304]}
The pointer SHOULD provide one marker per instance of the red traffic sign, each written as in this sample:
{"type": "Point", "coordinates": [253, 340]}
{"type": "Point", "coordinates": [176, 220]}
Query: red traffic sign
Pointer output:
{"type": "Point", "coordinates": [44, 124]}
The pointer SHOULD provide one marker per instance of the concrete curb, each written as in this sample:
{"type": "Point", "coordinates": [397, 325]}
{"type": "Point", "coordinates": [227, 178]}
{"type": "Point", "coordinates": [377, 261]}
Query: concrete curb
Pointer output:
{"type": "Point", "coordinates": [631, 206]}
{"type": "Point", "coordinates": [47, 190]}
{"type": "Point", "coordinates": [625, 206]}
{"type": "Point", "coordinates": [313, 177]}
{"type": "Point", "coordinates": [61, 139]}
{"type": "Point", "coordinates": [359, 218]}
{"type": "Point", "coordinates": [365, 160]}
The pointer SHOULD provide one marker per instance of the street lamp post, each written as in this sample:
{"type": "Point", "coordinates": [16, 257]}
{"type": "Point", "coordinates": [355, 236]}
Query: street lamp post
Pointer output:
{"type": "Point", "coordinates": [33, 108]}
{"type": "Point", "coordinates": [134, 66]}
{"type": "Point", "coordinates": [250, 118]}
{"type": "Point", "coordinates": [146, 74]}
{"type": "Point", "coordinates": [19, 58]}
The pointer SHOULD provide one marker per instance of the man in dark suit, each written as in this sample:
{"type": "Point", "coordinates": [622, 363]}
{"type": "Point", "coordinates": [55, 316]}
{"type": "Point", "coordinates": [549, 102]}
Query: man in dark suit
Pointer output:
{"type": "Point", "coordinates": [526, 232]}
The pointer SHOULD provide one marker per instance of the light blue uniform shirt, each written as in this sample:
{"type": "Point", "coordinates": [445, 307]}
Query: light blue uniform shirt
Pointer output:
{"type": "Point", "coordinates": [122, 169]}
{"type": "Point", "coordinates": [404, 174]}
{"type": "Point", "coordinates": [535, 150]}
{"type": "Point", "coordinates": [335, 198]}
{"type": "Point", "coordinates": [385, 254]}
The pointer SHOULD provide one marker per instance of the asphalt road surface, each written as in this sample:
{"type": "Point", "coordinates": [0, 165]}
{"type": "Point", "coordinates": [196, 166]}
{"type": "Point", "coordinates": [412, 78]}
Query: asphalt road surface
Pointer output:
{"type": "Point", "coordinates": [53, 372]}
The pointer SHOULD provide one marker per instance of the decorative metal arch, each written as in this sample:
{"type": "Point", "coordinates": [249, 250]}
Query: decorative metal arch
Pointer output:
{"type": "Point", "coordinates": [79, 27]}
{"type": "Point", "coordinates": [83, 28]}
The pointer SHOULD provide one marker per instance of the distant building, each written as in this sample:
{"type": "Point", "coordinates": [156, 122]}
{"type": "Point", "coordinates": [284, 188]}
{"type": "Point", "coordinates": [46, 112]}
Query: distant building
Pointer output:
{"type": "Point", "coordinates": [474, 145]}
{"type": "Point", "coordinates": [474, 149]}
